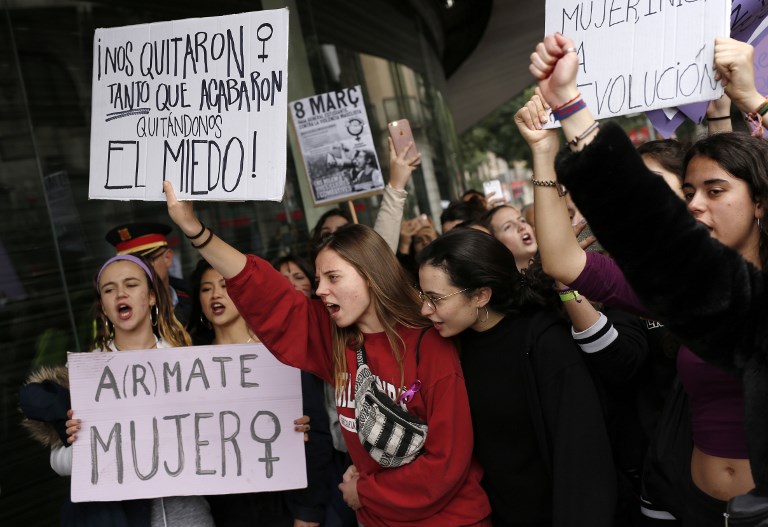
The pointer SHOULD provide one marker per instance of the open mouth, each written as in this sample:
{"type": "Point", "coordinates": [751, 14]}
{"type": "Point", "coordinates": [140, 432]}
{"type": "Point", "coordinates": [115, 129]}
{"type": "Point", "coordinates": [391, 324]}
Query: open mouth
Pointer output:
{"type": "Point", "coordinates": [217, 308]}
{"type": "Point", "coordinates": [124, 311]}
{"type": "Point", "coordinates": [333, 309]}
{"type": "Point", "coordinates": [527, 238]}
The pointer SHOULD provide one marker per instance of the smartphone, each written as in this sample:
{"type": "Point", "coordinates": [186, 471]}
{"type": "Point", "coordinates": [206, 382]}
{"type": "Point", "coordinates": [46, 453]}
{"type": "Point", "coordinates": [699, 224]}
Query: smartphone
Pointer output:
{"type": "Point", "coordinates": [494, 186]}
{"type": "Point", "coordinates": [400, 132]}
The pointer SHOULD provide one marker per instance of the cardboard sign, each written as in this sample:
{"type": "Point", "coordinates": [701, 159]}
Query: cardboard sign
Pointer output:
{"type": "Point", "coordinates": [184, 421]}
{"type": "Point", "coordinates": [200, 102]}
{"type": "Point", "coordinates": [337, 146]}
{"type": "Point", "coordinates": [642, 55]}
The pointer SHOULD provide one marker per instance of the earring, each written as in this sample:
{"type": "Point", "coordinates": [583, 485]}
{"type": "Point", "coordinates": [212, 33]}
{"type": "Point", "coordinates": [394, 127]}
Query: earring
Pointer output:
{"type": "Point", "coordinates": [758, 224]}
{"type": "Point", "coordinates": [205, 322]}
{"type": "Point", "coordinates": [486, 315]}
{"type": "Point", "coordinates": [154, 314]}
{"type": "Point", "coordinates": [109, 329]}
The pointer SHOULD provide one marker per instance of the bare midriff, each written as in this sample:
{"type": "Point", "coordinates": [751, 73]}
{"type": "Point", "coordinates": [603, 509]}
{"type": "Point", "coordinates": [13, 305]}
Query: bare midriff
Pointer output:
{"type": "Point", "coordinates": [720, 477]}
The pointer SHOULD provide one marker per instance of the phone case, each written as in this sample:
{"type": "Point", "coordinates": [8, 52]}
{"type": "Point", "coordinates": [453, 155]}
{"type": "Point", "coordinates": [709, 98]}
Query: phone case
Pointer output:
{"type": "Point", "coordinates": [400, 132]}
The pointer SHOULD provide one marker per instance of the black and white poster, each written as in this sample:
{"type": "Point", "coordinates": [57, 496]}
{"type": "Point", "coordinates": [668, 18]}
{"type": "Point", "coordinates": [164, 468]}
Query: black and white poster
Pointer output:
{"type": "Point", "coordinates": [337, 146]}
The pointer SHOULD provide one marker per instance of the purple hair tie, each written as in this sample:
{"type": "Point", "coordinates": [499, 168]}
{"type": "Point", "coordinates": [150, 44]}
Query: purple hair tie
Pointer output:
{"type": "Point", "coordinates": [126, 257]}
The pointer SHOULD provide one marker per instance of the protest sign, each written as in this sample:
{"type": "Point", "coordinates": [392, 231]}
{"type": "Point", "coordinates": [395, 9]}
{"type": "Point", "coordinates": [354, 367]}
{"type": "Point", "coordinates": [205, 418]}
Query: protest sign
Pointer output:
{"type": "Point", "coordinates": [636, 56]}
{"type": "Point", "coordinates": [184, 421]}
{"type": "Point", "coordinates": [337, 146]}
{"type": "Point", "coordinates": [199, 102]}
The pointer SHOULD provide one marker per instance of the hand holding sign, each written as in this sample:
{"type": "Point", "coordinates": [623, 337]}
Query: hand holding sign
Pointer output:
{"type": "Point", "coordinates": [734, 63]}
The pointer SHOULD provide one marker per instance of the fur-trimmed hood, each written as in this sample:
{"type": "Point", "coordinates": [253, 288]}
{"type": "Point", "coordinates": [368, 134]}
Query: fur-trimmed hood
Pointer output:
{"type": "Point", "coordinates": [44, 401]}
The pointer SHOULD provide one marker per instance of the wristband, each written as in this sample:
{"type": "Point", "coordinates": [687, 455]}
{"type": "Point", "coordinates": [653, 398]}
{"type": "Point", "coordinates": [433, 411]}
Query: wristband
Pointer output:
{"type": "Point", "coordinates": [196, 236]}
{"type": "Point", "coordinates": [568, 295]}
{"type": "Point", "coordinates": [206, 242]}
{"type": "Point", "coordinates": [721, 118]}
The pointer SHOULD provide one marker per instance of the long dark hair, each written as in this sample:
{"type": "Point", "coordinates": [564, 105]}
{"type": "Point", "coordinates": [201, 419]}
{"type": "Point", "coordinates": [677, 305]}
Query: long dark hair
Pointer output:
{"type": "Point", "coordinates": [473, 259]}
{"type": "Point", "coordinates": [669, 153]}
{"type": "Point", "coordinates": [199, 328]}
{"type": "Point", "coordinates": [744, 157]}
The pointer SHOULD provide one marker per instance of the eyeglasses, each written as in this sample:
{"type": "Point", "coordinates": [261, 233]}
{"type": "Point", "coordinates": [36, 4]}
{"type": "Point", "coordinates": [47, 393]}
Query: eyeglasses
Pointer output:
{"type": "Point", "coordinates": [432, 302]}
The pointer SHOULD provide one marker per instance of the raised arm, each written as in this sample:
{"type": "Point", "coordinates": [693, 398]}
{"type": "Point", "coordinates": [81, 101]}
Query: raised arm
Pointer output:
{"type": "Point", "coordinates": [734, 64]}
{"type": "Point", "coordinates": [401, 166]}
{"type": "Point", "coordinates": [561, 256]}
{"type": "Point", "coordinates": [223, 257]}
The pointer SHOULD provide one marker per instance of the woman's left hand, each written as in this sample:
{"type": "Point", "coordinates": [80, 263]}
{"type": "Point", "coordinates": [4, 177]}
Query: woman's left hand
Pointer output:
{"type": "Point", "coordinates": [348, 488]}
{"type": "Point", "coordinates": [400, 166]}
{"type": "Point", "coordinates": [302, 425]}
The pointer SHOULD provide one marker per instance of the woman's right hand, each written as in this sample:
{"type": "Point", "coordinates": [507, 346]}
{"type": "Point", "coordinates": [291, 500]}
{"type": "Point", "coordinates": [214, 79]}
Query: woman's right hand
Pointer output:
{"type": "Point", "coordinates": [73, 426]}
{"type": "Point", "coordinates": [554, 64]}
{"type": "Point", "coordinates": [400, 166]}
{"type": "Point", "coordinates": [530, 121]}
{"type": "Point", "coordinates": [181, 212]}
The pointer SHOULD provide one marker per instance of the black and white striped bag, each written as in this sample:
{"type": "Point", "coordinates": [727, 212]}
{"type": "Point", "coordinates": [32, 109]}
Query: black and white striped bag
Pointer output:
{"type": "Point", "coordinates": [390, 434]}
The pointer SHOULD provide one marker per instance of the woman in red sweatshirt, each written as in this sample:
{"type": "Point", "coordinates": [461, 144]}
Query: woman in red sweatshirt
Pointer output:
{"type": "Point", "coordinates": [365, 300]}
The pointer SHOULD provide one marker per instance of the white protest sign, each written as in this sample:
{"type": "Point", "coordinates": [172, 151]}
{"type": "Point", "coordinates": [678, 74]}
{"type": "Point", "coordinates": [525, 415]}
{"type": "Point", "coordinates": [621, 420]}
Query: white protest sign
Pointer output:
{"type": "Point", "coordinates": [184, 421]}
{"type": "Point", "coordinates": [200, 102]}
{"type": "Point", "coordinates": [640, 55]}
{"type": "Point", "coordinates": [337, 146]}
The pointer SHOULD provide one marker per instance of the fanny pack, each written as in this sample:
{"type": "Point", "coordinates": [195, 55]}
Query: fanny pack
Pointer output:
{"type": "Point", "coordinates": [747, 510]}
{"type": "Point", "coordinates": [390, 434]}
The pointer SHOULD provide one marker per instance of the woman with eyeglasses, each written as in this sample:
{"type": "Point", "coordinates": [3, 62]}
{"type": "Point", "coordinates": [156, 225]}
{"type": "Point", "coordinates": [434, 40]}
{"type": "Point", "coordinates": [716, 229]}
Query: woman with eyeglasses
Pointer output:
{"type": "Point", "coordinates": [538, 423]}
{"type": "Point", "coordinates": [364, 305]}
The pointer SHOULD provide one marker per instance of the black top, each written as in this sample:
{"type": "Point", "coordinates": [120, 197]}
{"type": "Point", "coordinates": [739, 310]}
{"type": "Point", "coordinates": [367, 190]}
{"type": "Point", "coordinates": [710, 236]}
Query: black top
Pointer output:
{"type": "Point", "coordinates": [563, 474]}
{"type": "Point", "coordinates": [516, 479]}
{"type": "Point", "coordinates": [705, 292]}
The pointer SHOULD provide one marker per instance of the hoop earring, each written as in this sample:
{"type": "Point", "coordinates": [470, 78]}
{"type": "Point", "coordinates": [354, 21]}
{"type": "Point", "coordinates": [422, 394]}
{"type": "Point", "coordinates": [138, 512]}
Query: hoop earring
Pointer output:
{"type": "Point", "coordinates": [154, 315]}
{"type": "Point", "coordinates": [205, 322]}
{"type": "Point", "coordinates": [486, 315]}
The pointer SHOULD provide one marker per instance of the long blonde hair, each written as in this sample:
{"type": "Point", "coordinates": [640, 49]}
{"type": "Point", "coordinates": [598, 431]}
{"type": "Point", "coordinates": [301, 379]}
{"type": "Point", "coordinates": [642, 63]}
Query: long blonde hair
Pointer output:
{"type": "Point", "coordinates": [395, 301]}
{"type": "Point", "coordinates": [165, 326]}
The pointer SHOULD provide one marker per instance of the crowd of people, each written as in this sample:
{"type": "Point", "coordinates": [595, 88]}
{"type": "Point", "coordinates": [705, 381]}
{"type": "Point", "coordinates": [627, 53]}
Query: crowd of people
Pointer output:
{"type": "Point", "coordinates": [552, 381]}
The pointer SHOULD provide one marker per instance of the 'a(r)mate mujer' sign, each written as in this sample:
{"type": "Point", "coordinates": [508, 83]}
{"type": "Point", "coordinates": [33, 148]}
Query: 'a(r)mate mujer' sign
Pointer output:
{"type": "Point", "coordinates": [199, 102]}
{"type": "Point", "coordinates": [184, 421]}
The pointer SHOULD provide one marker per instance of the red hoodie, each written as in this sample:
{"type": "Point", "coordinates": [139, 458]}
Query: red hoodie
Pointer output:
{"type": "Point", "coordinates": [442, 486]}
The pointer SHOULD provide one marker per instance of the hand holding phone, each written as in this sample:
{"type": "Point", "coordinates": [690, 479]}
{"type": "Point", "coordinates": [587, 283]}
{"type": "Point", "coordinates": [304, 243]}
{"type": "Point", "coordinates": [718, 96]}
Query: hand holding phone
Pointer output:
{"type": "Point", "coordinates": [400, 132]}
{"type": "Point", "coordinates": [492, 189]}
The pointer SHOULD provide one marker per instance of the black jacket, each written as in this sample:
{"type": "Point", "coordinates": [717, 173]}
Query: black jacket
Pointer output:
{"type": "Point", "coordinates": [565, 409]}
{"type": "Point", "coordinates": [705, 292]}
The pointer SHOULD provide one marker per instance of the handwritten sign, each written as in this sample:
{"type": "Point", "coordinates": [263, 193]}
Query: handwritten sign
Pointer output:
{"type": "Point", "coordinates": [199, 102]}
{"type": "Point", "coordinates": [184, 421]}
{"type": "Point", "coordinates": [642, 55]}
{"type": "Point", "coordinates": [337, 146]}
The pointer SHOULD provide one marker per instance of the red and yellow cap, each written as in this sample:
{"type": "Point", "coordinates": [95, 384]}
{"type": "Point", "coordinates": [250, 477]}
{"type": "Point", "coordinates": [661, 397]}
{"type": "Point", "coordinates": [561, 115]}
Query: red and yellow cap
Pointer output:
{"type": "Point", "coordinates": [138, 238]}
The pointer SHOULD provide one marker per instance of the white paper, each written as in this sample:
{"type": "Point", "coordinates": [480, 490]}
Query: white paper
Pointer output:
{"type": "Point", "coordinates": [200, 102]}
{"type": "Point", "coordinates": [235, 407]}
{"type": "Point", "coordinates": [640, 56]}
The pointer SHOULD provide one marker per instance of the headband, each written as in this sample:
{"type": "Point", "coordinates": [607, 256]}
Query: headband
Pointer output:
{"type": "Point", "coordinates": [126, 257]}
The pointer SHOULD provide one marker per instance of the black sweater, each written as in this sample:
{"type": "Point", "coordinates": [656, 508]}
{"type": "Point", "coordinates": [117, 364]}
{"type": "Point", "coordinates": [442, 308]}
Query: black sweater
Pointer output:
{"type": "Point", "coordinates": [565, 449]}
{"type": "Point", "coordinates": [705, 292]}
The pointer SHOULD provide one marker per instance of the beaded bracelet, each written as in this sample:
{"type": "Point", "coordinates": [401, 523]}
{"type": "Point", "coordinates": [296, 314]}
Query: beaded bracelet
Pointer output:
{"type": "Point", "coordinates": [561, 190]}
